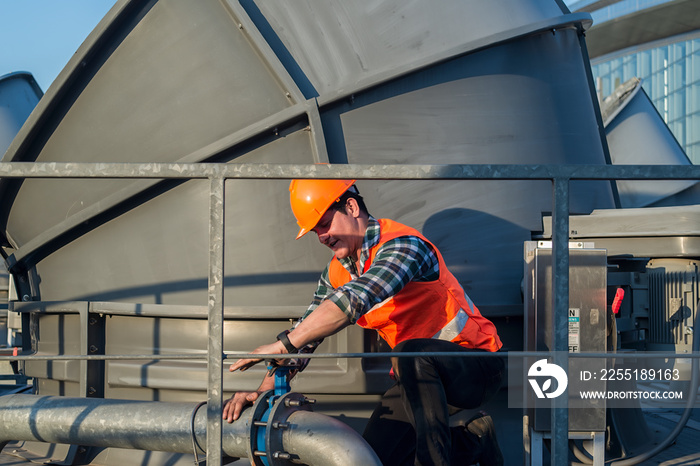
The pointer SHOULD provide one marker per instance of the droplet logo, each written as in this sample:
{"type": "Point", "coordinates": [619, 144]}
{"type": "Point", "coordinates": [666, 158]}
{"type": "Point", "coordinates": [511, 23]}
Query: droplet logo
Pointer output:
{"type": "Point", "coordinates": [551, 371]}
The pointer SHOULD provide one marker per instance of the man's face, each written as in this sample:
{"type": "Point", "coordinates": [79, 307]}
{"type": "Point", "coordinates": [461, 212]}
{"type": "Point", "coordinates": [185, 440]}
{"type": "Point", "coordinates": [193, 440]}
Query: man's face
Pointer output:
{"type": "Point", "coordinates": [340, 232]}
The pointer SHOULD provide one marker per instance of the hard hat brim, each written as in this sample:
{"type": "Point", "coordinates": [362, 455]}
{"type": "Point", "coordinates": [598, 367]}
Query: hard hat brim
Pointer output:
{"type": "Point", "coordinates": [310, 199]}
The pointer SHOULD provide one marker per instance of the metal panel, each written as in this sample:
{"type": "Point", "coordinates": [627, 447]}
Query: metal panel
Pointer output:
{"type": "Point", "coordinates": [480, 109]}
{"type": "Point", "coordinates": [175, 77]}
{"type": "Point", "coordinates": [19, 94]}
{"type": "Point", "coordinates": [673, 304]}
{"type": "Point", "coordinates": [637, 135]}
{"type": "Point", "coordinates": [587, 302]}
{"type": "Point", "coordinates": [338, 43]}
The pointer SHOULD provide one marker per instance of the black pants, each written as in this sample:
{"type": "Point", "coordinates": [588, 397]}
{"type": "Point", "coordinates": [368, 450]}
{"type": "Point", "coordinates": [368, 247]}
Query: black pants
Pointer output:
{"type": "Point", "coordinates": [411, 423]}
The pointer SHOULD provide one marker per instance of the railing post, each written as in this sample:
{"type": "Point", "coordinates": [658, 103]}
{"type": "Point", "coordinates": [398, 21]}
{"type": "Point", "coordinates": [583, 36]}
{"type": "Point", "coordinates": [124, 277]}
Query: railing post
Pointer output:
{"type": "Point", "coordinates": [216, 321]}
{"type": "Point", "coordinates": [560, 305]}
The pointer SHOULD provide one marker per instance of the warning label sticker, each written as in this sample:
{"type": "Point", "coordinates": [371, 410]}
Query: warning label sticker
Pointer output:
{"type": "Point", "coordinates": [574, 330]}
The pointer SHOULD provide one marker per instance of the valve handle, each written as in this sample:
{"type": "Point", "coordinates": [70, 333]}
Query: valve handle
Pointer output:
{"type": "Point", "coordinates": [617, 302]}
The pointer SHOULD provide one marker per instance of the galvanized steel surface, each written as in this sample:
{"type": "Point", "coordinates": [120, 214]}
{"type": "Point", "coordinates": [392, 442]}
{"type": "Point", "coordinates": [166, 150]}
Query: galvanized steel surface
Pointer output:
{"type": "Point", "coordinates": [312, 438]}
{"type": "Point", "coordinates": [263, 171]}
{"type": "Point", "coordinates": [216, 320]}
{"type": "Point", "coordinates": [99, 422]}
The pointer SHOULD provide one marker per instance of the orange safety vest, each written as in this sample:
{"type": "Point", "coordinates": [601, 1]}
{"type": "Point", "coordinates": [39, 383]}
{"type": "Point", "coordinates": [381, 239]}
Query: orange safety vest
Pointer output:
{"type": "Point", "coordinates": [439, 309]}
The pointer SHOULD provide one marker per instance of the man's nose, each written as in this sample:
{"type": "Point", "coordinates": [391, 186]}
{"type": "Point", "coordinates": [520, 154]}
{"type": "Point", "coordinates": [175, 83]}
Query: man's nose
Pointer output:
{"type": "Point", "coordinates": [322, 236]}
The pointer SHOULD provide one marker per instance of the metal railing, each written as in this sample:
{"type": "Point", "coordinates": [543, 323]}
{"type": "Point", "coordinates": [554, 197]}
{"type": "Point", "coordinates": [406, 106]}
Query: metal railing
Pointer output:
{"type": "Point", "coordinates": [218, 173]}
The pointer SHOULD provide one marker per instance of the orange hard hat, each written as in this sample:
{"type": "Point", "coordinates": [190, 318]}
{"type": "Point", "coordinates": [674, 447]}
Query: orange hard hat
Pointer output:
{"type": "Point", "coordinates": [311, 199]}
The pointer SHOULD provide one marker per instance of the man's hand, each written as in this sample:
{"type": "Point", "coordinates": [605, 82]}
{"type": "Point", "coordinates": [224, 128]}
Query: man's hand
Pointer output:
{"type": "Point", "coordinates": [234, 406]}
{"type": "Point", "coordinates": [273, 348]}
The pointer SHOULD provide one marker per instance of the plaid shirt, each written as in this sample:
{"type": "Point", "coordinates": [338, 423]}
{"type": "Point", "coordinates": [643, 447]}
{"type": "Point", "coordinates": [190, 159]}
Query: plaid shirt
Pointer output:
{"type": "Point", "coordinates": [398, 261]}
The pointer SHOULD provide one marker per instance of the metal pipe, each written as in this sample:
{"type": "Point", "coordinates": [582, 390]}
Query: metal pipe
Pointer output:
{"type": "Point", "coordinates": [312, 438]}
{"type": "Point", "coordinates": [99, 422]}
{"type": "Point", "coordinates": [324, 440]}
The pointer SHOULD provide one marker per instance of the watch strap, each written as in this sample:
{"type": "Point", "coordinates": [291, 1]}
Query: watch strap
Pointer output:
{"type": "Point", "coordinates": [287, 344]}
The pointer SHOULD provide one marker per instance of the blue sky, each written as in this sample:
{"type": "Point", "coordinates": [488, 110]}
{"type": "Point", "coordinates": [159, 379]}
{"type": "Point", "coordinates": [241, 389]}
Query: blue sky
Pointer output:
{"type": "Point", "coordinates": [40, 36]}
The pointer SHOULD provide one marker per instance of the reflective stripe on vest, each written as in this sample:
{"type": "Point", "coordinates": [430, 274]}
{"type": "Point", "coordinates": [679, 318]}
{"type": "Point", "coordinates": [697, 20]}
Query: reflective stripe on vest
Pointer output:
{"type": "Point", "coordinates": [453, 328]}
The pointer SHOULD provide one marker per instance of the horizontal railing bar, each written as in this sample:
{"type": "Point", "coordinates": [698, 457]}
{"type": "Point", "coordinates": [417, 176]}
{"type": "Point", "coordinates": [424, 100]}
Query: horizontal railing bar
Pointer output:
{"type": "Point", "coordinates": [180, 311]}
{"type": "Point", "coordinates": [339, 171]}
{"type": "Point", "coordinates": [522, 354]}
{"type": "Point", "coordinates": [102, 357]}
{"type": "Point", "coordinates": [231, 355]}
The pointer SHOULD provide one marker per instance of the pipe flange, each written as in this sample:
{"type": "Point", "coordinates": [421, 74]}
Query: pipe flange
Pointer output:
{"type": "Point", "coordinates": [258, 426]}
{"type": "Point", "coordinates": [277, 423]}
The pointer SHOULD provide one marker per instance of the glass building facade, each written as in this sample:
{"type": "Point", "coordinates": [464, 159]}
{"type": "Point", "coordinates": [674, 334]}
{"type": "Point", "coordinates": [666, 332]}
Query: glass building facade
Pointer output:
{"type": "Point", "coordinates": [670, 76]}
{"type": "Point", "coordinates": [670, 73]}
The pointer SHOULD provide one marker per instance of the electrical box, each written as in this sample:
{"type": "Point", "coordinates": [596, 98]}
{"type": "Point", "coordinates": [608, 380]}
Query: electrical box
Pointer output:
{"type": "Point", "coordinates": [587, 321]}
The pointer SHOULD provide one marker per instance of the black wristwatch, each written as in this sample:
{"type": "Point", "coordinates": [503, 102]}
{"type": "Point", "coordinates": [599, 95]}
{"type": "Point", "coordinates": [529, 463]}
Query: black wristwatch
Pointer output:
{"type": "Point", "coordinates": [291, 349]}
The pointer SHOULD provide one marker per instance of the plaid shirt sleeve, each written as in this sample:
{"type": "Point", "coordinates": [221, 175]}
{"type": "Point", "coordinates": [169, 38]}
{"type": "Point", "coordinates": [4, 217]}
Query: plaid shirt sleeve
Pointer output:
{"type": "Point", "coordinates": [323, 289]}
{"type": "Point", "coordinates": [397, 262]}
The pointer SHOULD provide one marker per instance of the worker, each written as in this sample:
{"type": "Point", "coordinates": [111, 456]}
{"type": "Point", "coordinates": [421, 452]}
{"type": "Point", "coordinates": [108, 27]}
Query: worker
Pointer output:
{"type": "Point", "coordinates": [386, 276]}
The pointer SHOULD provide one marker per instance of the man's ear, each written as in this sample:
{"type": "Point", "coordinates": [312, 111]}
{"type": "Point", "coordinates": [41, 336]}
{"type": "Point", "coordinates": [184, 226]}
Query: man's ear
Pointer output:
{"type": "Point", "coordinates": [352, 207]}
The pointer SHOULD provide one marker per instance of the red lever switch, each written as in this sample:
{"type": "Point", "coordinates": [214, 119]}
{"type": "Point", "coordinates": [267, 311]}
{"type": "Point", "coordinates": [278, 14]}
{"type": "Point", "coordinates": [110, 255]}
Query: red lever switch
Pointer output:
{"type": "Point", "coordinates": [617, 302]}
